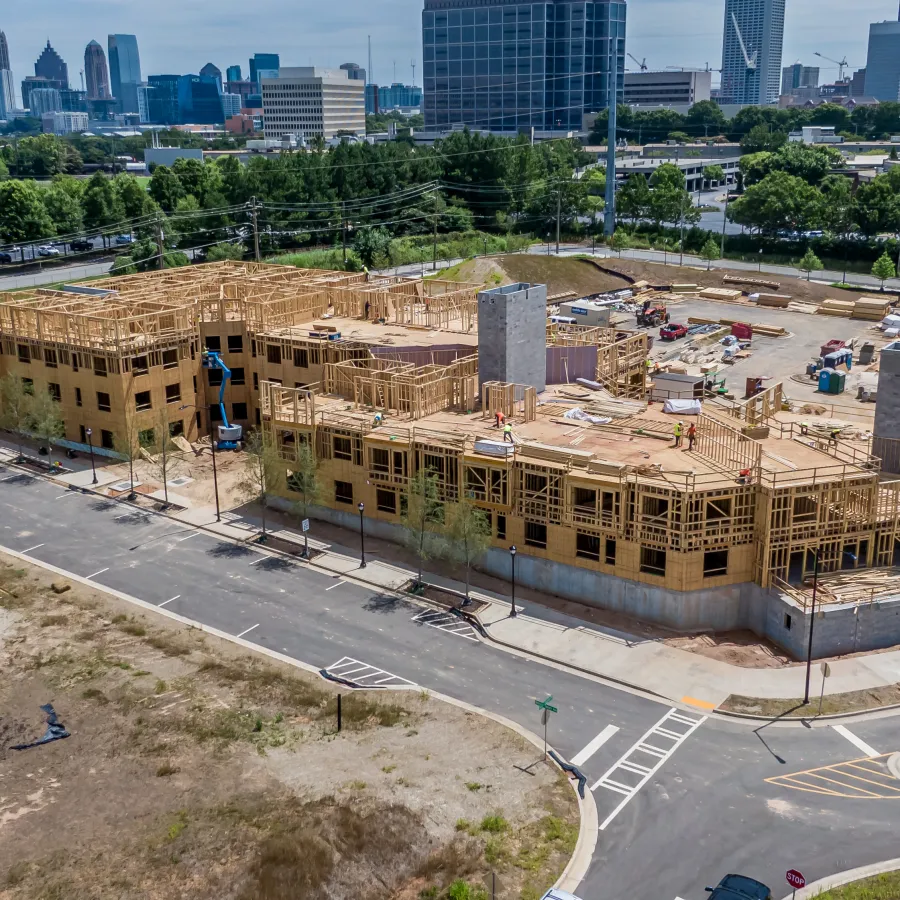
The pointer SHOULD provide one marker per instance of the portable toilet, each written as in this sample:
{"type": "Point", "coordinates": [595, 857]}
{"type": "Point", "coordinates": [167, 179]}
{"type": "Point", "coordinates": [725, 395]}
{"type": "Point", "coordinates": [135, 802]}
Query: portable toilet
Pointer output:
{"type": "Point", "coordinates": [825, 380]}
{"type": "Point", "coordinates": [837, 382]}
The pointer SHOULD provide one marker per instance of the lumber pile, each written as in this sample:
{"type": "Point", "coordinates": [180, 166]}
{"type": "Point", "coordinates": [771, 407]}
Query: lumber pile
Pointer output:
{"type": "Point", "coordinates": [872, 308]}
{"type": "Point", "coordinates": [755, 282]}
{"type": "Point", "coordinates": [776, 300]}
{"type": "Point", "coordinates": [726, 294]}
{"type": "Point", "coordinates": [836, 308]}
{"type": "Point", "coordinates": [684, 288]}
{"type": "Point", "coordinates": [769, 330]}
{"type": "Point", "coordinates": [859, 585]}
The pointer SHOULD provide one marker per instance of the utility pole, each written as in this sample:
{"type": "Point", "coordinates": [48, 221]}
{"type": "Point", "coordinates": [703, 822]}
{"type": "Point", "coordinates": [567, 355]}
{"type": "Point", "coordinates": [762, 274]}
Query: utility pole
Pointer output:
{"type": "Point", "coordinates": [609, 214]}
{"type": "Point", "coordinates": [255, 229]}
{"type": "Point", "coordinates": [344, 234]}
{"type": "Point", "coordinates": [160, 248]}
{"type": "Point", "coordinates": [725, 220]}
{"type": "Point", "coordinates": [434, 241]}
{"type": "Point", "coordinates": [684, 194]}
{"type": "Point", "coordinates": [558, 213]}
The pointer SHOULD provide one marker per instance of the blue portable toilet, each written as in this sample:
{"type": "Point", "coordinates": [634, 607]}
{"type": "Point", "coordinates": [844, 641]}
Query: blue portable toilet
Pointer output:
{"type": "Point", "coordinates": [825, 380]}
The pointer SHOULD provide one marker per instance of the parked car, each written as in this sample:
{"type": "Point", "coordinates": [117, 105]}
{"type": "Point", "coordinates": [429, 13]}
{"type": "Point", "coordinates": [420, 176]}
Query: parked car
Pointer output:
{"type": "Point", "coordinates": [6, 258]}
{"type": "Point", "coordinates": [672, 332]}
{"type": "Point", "coordinates": [124, 239]}
{"type": "Point", "coordinates": [48, 250]}
{"type": "Point", "coordinates": [81, 245]}
{"type": "Point", "coordinates": [740, 887]}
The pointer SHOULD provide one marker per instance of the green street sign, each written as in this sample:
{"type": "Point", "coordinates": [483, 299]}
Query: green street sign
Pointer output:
{"type": "Point", "coordinates": [545, 704]}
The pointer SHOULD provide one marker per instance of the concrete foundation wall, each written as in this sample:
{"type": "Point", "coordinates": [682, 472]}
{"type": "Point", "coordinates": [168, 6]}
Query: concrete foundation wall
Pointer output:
{"type": "Point", "coordinates": [838, 629]}
{"type": "Point", "coordinates": [887, 409]}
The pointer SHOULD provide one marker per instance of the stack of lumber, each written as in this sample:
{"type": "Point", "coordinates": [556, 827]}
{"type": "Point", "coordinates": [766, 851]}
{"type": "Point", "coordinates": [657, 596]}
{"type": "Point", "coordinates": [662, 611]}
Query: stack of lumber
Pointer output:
{"type": "Point", "coordinates": [767, 330]}
{"type": "Point", "coordinates": [614, 408]}
{"type": "Point", "coordinates": [726, 294]}
{"type": "Point", "coordinates": [640, 286]}
{"type": "Point", "coordinates": [776, 300]}
{"type": "Point", "coordinates": [756, 282]}
{"type": "Point", "coordinates": [684, 288]}
{"type": "Point", "coordinates": [859, 585]}
{"type": "Point", "coordinates": [836, 308]}
{"type": "Point", "coordinates": [872, 308]}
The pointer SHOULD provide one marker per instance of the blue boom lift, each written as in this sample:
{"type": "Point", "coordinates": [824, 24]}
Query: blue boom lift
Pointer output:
{"type": "Point", "coordinates": [229, 435]}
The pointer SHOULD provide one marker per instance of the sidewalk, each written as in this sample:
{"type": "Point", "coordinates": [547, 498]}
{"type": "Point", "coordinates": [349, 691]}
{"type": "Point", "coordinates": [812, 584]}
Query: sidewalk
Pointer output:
{"type": "Point", "coordinates": [646, 664]}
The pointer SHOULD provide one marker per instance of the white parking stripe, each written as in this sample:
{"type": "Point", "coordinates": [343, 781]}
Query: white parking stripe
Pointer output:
{"type": "Point", "coordinates": [32, 548]}
{"type": "Point", "coordinates": [579, 759]}
{"type": "Point", "coordinates": [248, 630]}
{"type": "Point", "coordinates": [857, 742]}
{"type": "Point", "coordinates": [98, 573]}
{"type": "Point", "coordinates": [641, 746]}
{"type": "Point", "coordinates": [167, 602]}
{"type": "Point", "coordinates": [335, 585]}
{"type": "Point", "coordinates": [192, 534]}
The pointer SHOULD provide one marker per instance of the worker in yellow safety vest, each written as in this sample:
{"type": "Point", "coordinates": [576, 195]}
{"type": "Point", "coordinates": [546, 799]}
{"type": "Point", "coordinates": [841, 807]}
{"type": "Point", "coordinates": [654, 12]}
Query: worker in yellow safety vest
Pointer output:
{"type": "Point", "coordinates": [679, 431]}
{"type": "Point", "coordinates": [507, 433]}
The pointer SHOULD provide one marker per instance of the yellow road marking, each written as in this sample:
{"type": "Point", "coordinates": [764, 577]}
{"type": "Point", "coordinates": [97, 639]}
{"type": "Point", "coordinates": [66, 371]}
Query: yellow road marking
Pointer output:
{"type": "Point", "coordinates": [702, 704]}
{"type": "Point", "coordinates": [821, 779]}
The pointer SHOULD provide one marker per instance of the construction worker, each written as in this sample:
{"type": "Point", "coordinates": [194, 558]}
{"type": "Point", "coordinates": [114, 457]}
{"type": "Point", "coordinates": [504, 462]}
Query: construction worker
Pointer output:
{"type": "Point", "coordinates": [679, 432]}
{"type": "Point", "coordinates": [692, 435]}
{"type": "Point", "coordinates": [500, 419]}
{"type": "Point", "coordinates": [833, 435]}
{"type": "Point", "coordinates": [804, 428]}
{"type": "Point", "coordinates": [366, 270]}
{"type": "Point", "coordinates": [368, 310]}
{"type": "Point", "coordinates": [379, 418]}
{"type": "Point", "coordinates": [507, 434]}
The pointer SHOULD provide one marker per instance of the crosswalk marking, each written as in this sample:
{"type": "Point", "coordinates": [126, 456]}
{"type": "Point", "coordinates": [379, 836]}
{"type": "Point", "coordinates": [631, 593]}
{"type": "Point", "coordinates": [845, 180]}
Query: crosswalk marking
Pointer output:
{"type": "Point", "coordinates": [580, 758]}
{"type": "Point", "coordinates": [666, 729]}
{"type": "Point", "coordinates": [445, 621]}
{"type": "Point", "coordinates": [364, 675]}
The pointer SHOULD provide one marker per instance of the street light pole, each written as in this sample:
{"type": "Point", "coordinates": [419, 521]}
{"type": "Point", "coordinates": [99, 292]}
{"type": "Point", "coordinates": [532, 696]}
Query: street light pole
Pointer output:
{"type": "Point", "coordinates": [512, 557]}
{"type": "Point", "coordinates": [812, 622]}
{"type": "Point", "coordinates": [88, 433]}
{"type": "Point", "coordinates": [362, 536]}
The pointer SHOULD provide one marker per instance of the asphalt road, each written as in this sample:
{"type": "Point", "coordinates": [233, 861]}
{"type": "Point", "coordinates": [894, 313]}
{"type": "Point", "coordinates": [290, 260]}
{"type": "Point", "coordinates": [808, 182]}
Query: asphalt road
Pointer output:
{"type": "Point", "coordinates": [691, 801]}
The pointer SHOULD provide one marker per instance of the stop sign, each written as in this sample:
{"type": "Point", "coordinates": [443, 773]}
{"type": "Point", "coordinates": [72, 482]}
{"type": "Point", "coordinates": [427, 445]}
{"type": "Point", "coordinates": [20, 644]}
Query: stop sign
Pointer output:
{"type": "Point", "coordinates": [795, 879]}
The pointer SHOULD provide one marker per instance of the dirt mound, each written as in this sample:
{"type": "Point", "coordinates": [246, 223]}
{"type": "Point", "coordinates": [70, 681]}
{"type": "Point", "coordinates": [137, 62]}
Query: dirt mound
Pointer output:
{"type": "Point", "coordinates": [561, 274]}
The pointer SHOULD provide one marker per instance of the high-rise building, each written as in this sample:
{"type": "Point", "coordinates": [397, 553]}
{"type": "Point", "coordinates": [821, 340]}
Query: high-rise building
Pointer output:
{"type": "Point", "coordinates": [264, 65]}
{"type": "Point", "coordinates": [399, 96]}
{"type": "Point", "coordinates": [242, 88]}
{"type": "Point", "coordinates": [73, 101]}
{"type": "Point", "coordinates": [883, 63]}
{"type": "Point", "coordinates": [124, 71]}
{"type": "Point", "coordinates": [64, 122]}
{"type": "Point", "coordinates": [162, 99]}
{"type": "Point", "coordinates": [751, 51]}
{"type": "Point", "coordinates": [231, 105]}
{"type": "Point", "coordinates": [798, 76]}
{"type": "Point", "coordinates": [4, 53]}
{"type": "Point", "coordinates": [96, 73]}
{"type": "Point", "coordinates": [354, 71]}
{"type": "Point", "coordinates": [199, 101]}
{"type": "Point", "coordinates": [504, 67]}
{"type": "Point", "coordinates": [32, 83]}
{"type": "Point", "coordinates": [858, 83]}
{"type": "Point", "coordinates": [44, 100]}
{"type": "Point", "coordinates": [683, 88]}
{"type": "Point", "coordinates": [50, 65]}
{"type": "Point", "coordinates": [313, 102]}
{"type": "Point", "coordinates": [7, 93]}
{"type": "Point", "coordinates": [233, 73]}
{"type": "Point", "coordinates": [214, 72]}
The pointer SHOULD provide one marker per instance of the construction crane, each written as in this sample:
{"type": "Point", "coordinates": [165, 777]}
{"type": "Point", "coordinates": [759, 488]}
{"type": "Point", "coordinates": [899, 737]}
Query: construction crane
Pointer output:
{"type": "Point", "coordinates": [841, 64]}
{"type": "Point", "coordinates": [750, 61]}
{"type": "Point", "coordinates": [641, 63]}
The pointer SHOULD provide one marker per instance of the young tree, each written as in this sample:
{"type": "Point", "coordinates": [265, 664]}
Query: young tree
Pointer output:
{"type": "Point", "coordinates": [372, 245]}
{"type": "Point", "coordinates": [263, 472]}
{"type": "Point", "coordinates": [15, 405]}
{"type": "Point", "coordinates": [304, 481]}
{"type": "Point", "coordinates": [619, 241]}
{"type": "Point", "coordinates": [884, 268]}
{"type": "Point", "coordinates": [710, 252]}
{"type": "Point", "coordinates": [156, 442]}
{"type": "Point", "coordinates": [810, 263]}
{"type": "Point", "coordinates": [468, 534]}
{"type": "Point", "coordinates": [45, 421]}
{"type": "Point", "coordinates": [714, 173]}
{"type": "Point", "coordinates": [424, 515]}
{"type": "Point", "coordinates": [128, 445]}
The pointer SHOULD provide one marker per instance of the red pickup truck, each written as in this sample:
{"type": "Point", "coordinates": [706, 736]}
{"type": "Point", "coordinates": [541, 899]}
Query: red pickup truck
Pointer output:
{"type": "Point", "coordinates": [672, 332]}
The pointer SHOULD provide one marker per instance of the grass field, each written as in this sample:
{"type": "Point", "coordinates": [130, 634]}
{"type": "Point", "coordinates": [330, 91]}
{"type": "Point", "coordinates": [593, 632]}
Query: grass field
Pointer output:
{"type": "Point", "coordinates": [879, 887]}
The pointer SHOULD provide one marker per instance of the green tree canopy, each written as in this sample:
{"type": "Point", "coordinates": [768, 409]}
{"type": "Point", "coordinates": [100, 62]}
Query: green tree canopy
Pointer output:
{"type": "Point", "coordinates": [23, 215]}
{"type": "Point", "coordinates": [810, 263]}
{"type": "Point", "coordinates": [884, 269]}
{"type": "Point", "coordinates": [779, 202]}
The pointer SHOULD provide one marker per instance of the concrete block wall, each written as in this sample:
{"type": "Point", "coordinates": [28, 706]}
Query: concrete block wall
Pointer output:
{"type": "Point", "coordinates": [887, 409]}
{"type": "Point", "coordinates": [512, 335]}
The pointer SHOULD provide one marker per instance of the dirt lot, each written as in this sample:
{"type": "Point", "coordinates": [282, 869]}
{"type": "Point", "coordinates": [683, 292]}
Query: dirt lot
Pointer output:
{"type": "Point", "coordinates": [195, 769]}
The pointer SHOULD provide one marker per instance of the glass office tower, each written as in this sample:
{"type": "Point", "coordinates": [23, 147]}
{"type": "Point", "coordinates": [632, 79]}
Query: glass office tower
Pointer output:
{"type": "Point", "coordinates": [508, 66]}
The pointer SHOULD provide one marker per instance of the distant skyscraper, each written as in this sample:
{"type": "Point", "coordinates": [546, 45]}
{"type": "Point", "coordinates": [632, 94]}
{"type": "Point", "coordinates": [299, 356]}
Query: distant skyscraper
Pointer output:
{"type": "Point", "coordinates": [162, 99]}
{"type": "Point", "coordinates": [214, 72]}
{"type": "Point", "coordinates": [269, 63]}
{"type": "Point", "coordinates": [4, 52]}
{"type": "Point", "coordinates": [354, 72]}
{"type": "Point", "coordinates": [199, 101]}
{"type": "Point", "coordinates": [751, 51]}
{"type": "Point", "coordinates": [7, 88]}
{"type": "Point", "coordinates": [233, 73]}
{"type": "Point", "coordinates": [96, 73]}
{"type": "Point", "coordinates": [798, 76]}
{"type": "Point", "coordinates": [44, 100]}
{"type": "Point", "coordinates": [883, 65]}
{"type": "Point", "coordinates": [50, 65]}
{"type": "Point", "coordinates": [124, 71]}
{"type": "Point", "coordinates": [552, 69]}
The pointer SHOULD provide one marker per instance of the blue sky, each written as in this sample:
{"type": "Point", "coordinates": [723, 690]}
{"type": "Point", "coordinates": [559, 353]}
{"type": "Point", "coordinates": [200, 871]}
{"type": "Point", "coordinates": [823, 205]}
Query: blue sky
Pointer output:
{"type": "Point", "coordinates": [181, 35]}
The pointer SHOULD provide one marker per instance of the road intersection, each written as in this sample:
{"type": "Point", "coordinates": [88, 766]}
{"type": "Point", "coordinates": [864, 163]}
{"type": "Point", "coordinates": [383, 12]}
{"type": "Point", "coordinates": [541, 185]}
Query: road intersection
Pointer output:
{"type": "Point", "coordinates": [683, 795]}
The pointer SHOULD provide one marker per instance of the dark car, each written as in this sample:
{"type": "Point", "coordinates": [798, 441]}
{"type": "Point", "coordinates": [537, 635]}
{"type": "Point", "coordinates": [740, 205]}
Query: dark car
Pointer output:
{"type": "Point", "coordinates": [5, 258]}
{"type": "Point", "coordinates": [81, 245]}
{"type": "Point", "coordinates": [672, 332]}
{"type": "Point", "coordinates": [740, 887]}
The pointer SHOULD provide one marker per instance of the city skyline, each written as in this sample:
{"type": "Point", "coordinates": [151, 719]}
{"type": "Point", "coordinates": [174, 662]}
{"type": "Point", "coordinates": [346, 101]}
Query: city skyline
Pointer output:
{"type": "Point", "coordinates": [339, 34]}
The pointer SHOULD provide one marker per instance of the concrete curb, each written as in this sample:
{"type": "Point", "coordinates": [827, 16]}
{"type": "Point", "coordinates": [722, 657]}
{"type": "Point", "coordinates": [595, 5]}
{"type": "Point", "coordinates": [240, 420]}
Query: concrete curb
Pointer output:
{"type": "Point", "coordinates": [588, 832]}
{"type": "Point", "coordinates": [833, 881]}
{"type": "Point", "coordinates": [824, 718]}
